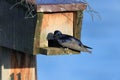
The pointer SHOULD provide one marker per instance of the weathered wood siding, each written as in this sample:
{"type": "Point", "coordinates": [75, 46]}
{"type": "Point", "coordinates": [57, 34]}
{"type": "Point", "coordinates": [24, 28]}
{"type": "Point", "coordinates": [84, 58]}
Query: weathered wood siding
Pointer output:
{"type": "Point", "coordinates": [16, 31]}
{"type": "Point", "coordinates": [78, 17]}
{"type": "Point", "coordinates": [16, 65]}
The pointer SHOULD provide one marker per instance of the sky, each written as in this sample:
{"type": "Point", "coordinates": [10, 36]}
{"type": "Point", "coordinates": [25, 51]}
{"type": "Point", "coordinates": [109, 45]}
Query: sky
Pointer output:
{"type": "Point", "coordinates": [100, 34]}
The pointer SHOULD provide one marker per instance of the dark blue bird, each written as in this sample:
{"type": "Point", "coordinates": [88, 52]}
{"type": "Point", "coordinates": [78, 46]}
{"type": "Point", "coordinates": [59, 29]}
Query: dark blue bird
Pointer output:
{"type": "Point", "coordinates": [68, 41]}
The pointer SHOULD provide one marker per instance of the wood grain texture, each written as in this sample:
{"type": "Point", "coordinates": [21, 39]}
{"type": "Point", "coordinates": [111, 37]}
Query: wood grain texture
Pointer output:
{"type": "Point", "coordinates": [37, 33]}
{"type": "Point", "coordinates": [61, 7]}
{"type": "Point", "coordinates": [56, 51]}
{"type": "Point", "coordinates": [78, 17]}
{"type": "Point", "coordinates": [16, 65]}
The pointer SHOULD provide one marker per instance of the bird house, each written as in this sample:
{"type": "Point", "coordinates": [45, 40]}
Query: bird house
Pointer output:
{"type": "Point", "coordinates": [64, 17]}
{"type": "Point", "coordinates": [35, 35]}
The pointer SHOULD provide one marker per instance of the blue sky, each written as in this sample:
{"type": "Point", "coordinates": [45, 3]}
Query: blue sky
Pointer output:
{"type": "Point", "coordinates": [103, 36]}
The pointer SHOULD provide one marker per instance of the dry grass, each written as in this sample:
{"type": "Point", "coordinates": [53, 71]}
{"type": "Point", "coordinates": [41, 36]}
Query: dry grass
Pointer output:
{"type": "Point", "coordinates": [93, 13]}
{"type": "Point", "coordinates": [30, 8]}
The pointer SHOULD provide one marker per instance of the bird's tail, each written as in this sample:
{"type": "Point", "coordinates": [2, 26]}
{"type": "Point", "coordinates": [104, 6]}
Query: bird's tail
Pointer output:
{"type": "Point", "coordinates": [89, 51]}
{"type": "Point", "coordinates": [87, 47]}
{"type": "Point", "coordinates": [84, 49]}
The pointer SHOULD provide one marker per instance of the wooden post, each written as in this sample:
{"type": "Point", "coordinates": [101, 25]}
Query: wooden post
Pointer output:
{"type": "Point", "coordinates": [16, 65]}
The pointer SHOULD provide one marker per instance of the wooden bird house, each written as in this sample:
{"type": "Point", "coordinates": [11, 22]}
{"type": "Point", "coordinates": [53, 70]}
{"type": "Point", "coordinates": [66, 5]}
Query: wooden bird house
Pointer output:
{"type": "Point", "coordinates": [64, 17]}
{"type": "Point", "coordinates": [34, 35]}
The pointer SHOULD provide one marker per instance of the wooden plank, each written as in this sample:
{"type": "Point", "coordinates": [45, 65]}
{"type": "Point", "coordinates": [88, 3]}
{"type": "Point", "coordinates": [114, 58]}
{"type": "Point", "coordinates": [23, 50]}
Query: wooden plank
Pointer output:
{"type": "Point", "coordinates": [37, 33]}
{"type": "Point", "coordinates": [57, 51]}
{"type": "Point", "coordinates": [16, 65]}
{"type": "Point", "coordinates": [61, 7]}
{"type": "Point", "coordinates": [78, 16]}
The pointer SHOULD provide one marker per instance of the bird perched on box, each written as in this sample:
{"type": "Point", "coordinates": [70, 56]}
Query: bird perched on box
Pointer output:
{"type": "Point", "coordinates": [70, 42]}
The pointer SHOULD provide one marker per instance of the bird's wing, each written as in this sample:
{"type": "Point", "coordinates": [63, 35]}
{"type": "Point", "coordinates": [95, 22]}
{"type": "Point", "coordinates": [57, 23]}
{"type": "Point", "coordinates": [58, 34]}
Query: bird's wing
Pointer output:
{"type": "Point", "coordinates": [73, 39]}
{"type": "Point", "coordinates": [68, 38]}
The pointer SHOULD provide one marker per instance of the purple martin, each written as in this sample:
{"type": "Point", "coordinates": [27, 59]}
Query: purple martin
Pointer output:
{"type": "Point", "coordinates": [70, 42]}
